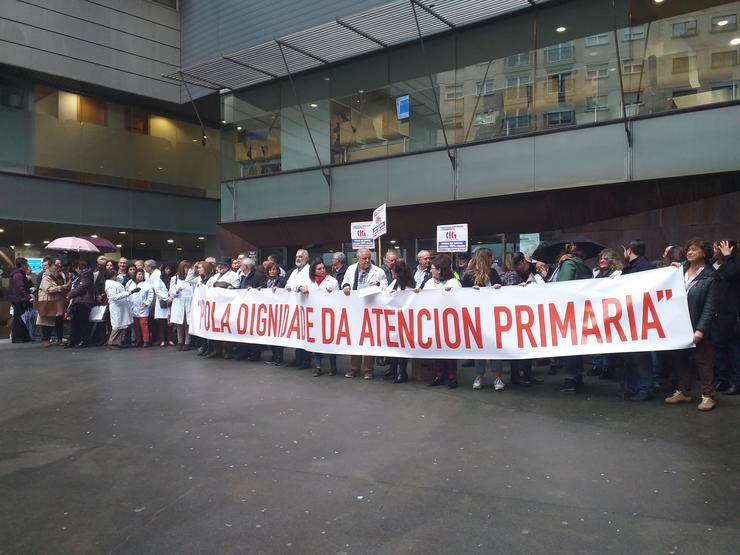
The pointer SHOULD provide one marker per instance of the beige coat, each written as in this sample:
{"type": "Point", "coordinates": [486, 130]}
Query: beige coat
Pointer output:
{"type": "Point", "coordinates": [49, 290]}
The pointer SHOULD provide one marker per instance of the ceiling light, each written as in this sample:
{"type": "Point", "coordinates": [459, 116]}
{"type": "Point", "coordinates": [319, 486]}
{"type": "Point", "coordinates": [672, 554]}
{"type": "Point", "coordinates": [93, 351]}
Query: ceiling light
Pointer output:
{"type": "Point", "coordinates": [722, 23]}
{"type": "Point", "coordinates": [360, 91]}
{"type": "Point", "coordinates": [658, 1]}
{"type": "Point", "coordinates": [314, 105]}
{"type": "Point", "coordinates": [179, 248]}
{"type": "Point", "coordinates": [12, 246]}
{"type": "Point", "coordinates": [194, 140]}
{"type": "Point", "coordinates": [94, 236]}
{"type": "Point", "coordinates": [119, 245]}
{"type": "Point", "coordinates": [393, 241]}
{"type": "Point", "coordinates": [201, 238]}
{"type": "Point", "coordinates": [238, 127]}
{"type": "Point", "coordinates": [560, 29]}
{"type": "Point", "coordinates": [2, 230]}
{"type": "Point", "coordinates": [47, 242]}
{"type": "Point", "coordinates": [735, 42]}
{"type": "Point", "coordinates": [160, 168]}
{"type": "Point", "coordinates": [170, 240]}
{"type": "Point", "coordinates": [142, 244]}
{"type": "Point", "coordinates": [223, 121]}
{"type": "Point", "coordinates": [327, 78]}
{"type": "Point", "coordinates": [26, 244]}
{"type": "Point", "coordinates": [121, 233]}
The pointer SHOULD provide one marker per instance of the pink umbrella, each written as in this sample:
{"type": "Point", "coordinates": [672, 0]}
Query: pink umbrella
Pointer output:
{"type": "Point", "coordinates": [102, 244]}
{"type": "Point", "coordinates": [76, 244]}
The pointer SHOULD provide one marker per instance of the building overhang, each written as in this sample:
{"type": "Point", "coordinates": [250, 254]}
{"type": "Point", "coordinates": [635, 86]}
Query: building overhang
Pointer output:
{"type": "Point", "coordinates": [389, 25]}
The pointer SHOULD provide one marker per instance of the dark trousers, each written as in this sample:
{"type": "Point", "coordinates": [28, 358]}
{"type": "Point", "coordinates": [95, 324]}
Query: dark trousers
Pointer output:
{"type": "Point", "coordinates": [638, 373]}
{"type": "Point", "coordinates": [445, 368]}
{"type": "Point", "coordinates": [684, 362]}
{"type": "Point", "coordinates": [58, 327]}
{"type": "Point", "coordinates": [20, 331]}
{"type": "Point", "coordinates": [80, 324]}
{"type": "Point", "coordinates": [572, 366]}
{"type": "Point", "coordinates": [398, 364]}
{"type": "Point", "coordinates": [728, 359]}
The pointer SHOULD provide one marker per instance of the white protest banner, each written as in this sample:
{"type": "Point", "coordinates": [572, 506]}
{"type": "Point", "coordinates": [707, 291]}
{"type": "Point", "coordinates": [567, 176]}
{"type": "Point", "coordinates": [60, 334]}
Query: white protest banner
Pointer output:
{"type": "Point", "coordinates": [646, 311]}
{"type": "Point", "coordinates": [362, 235]}
{"type": "Point", "coordinates": [452, 238]}
{"type": "Point", "coordinates": [379, 222]}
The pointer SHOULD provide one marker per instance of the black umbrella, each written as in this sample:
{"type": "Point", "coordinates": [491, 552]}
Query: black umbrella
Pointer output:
{"type": "Point", "coordinates": [548, 251]}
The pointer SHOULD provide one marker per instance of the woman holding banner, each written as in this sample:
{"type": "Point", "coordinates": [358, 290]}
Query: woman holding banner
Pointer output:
{"type": "Point", "coordinates": [318, 280]}
{"type": "Point", "coordinates": [481, 274]}
{"type": "Point", "coordinates": [443, 278]}
{"type": "Point", "coordinates": [402, 281]}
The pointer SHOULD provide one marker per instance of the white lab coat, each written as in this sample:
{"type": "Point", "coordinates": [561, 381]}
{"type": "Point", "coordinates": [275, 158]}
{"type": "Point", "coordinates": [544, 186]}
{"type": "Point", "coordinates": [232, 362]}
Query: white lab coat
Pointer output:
{"type": "Point", "coordinates": [141, 301]}
{"type": "Point", "coordinates": [375, 274]}
{"type": "Point", "coordinates": [118, 305]}
{"type": "Point", "coordinates": [328, 283]}
{"type": "Point", "coordinates": [161, 294]}
{"type": "Point", "coordinates": [181, 292]}
{"type": "Point", "coordinates": [450, 283]}
{"type": "Point", "coordinates": [297, 278]}
{"type": "Point", "coordinates": [232, 278]}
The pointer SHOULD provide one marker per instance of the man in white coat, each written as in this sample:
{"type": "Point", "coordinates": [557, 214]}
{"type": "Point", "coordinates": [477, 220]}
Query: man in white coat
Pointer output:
{"type": "Point", "coordinates": [360, 275]}
{"type": "Point", "coordinates": [225, 278]}
{"type": "Point", "coordinates": [118, 307]}
{"type": "Point", "coordinates": [296, 277]}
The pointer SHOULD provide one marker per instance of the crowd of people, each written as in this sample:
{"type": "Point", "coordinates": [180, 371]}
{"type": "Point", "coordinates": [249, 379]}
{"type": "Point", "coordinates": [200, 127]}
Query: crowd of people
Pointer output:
{"type": "Point", "coordinates": [142, 304]}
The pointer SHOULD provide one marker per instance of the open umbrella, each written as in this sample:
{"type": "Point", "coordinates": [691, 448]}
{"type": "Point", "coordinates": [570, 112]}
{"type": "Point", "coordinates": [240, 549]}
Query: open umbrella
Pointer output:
{"type": "Point", "coordinates": [103, 245]}
{"type": "Point", "coordinates": [548, 251]}
{"type": "Point", "coordinates": [75, 244]}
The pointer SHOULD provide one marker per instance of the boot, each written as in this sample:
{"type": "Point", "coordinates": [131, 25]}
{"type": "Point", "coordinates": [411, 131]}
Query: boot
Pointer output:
{"type": "Point", "coordinates": [401, 376]}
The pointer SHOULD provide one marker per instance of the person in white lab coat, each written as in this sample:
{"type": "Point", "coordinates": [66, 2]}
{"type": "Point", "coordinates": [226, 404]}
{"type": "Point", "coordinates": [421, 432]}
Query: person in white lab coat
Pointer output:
{"type": "Point", "coordinates": [119, 308]}
{"type": "Point", "coordinates": [141, 302]}
{"type": "Point", "coordinates": [293, 280]}
{"type": "Point", "coordinates": [181, 293]}
{"type": "Point", "coordinates": [225, 278]}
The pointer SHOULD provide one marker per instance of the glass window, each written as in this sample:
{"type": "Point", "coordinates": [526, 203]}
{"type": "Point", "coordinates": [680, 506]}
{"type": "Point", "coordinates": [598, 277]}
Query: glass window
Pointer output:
{"type": "Point", "coordinates": [560, 118]}
{"type": "Point", "coordinates": [519, 60]}
{"type": "Point", "coordinates": [680, 64]}
{"type": "Point", "coordinates": [727, 58]}
{"type": "Point", "coordinates": [485, 87]}
{"type": "Point", "coordinates": [453, 92]}
{"type": "Point", "coordinates": [518, 87]}
{"type": "Point", "coordinates": [597, 72]}
{"type": "Point", "coordinates": [722, 23]}
{"type": "Point", "coordinates": [594, 103]}
{"type": "Point", "coordinates": [560, 53]}
{"type": "Point", "coordinates": [517, 121]}
{"type": "Point", "coordinates": [91, 110]}
{"type": "Point", "coordinates": [631, 66]}
{"type": "Point", "coordinates": [684, 29]}
{"type": "Point", "coordinates": [597, 40]}
{"type": "Point", "coordinates": [634, 33]}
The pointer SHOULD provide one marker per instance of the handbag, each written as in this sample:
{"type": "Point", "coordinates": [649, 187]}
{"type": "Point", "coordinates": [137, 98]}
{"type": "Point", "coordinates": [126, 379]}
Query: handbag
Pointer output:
{"type": "Point", "coordinates": [163, 303]}
{"type": "Point", "coordinates": [50, 309]}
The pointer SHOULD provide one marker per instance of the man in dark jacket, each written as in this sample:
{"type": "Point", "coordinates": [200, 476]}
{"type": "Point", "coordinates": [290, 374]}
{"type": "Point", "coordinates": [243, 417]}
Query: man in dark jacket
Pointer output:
{"type": "Point", "coordinates": [82, 297]}
{"type": "Point", "coordinates": [638, 376]}
{"type": "Point", "coordinates": [251, 278]}
{"type": "Point", "coordinates": [20, 297]}
{"type": "Point", "coordinates": [727, 336]}
{"type": "Point", "coordinates": [338, 266]}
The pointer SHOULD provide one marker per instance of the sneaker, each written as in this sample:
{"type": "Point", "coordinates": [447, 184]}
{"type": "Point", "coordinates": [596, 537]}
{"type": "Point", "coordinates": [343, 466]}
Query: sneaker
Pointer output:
{"type": "Point", "coordinates": [677, 397]}
{"type": "Point", "coordinates": [368, 376]}
{"type": "Point", "coordinates": [707, 404]}
{"type": "Point", "coordinates": [498, 385]}
{"type": "Point", "coordinates": [352, 374]}
{"type": "Point", "coordinates": [477, 382]}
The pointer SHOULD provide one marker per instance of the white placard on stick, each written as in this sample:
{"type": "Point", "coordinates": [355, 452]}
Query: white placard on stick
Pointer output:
{"type": "Point", "coordinates": [452, 238]}
{"type": "Point", "coordinates": [362, 235]}
{"type": "Point", "coordinates": [379, 222]}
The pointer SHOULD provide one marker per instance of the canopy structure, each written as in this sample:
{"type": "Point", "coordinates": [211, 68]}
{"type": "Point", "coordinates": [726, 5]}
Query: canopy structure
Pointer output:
{"type": "Point", "coordinates": [377, 28]}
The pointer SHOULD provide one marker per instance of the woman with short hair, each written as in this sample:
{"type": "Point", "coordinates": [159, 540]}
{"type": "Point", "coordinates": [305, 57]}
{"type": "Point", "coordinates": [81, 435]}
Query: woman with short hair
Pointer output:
{"type": "Point", "coordinates": [403, 280]}
{"type": "Point", "coordinates": [318, 280]}
{"type": "Point", "coordinates": [700, 279]}
{"type": "Point", "coordinates": [608, 266]}
{"type": "Point", "coordinates": [181, 293]}
{"type": "Point", "coordinates": [142, 296]}
{"type": "Point", "coordinates": [274, 281]}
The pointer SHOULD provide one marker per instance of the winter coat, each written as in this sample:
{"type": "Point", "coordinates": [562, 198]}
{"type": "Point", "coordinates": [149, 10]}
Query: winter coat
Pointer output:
{"type": "Point", "coordinates": [702, 299]}
{"type": "Point", "coordinates": [449, 284]}
{"type": "Point", "coordinates": [468, 280]}
{"type": "Point", "coordinates": [118, 306]}
{"type": "Point", "coordinates": [572, 268]}
{"type": "Point", "coordinates": [181, 293]}
{"type": "Point", "coordinates": [83, 291]}
{"type": "Point", "coordinates": [50, 290]}
{"type": "Point", "coordinates": [639, 264]}
{"type": "Point", "coordinates": [339, 274]}
{"type": "Point", "coordinates": [141, 301]}
{"type": "Point", "coordinates": [19, 290]}
{"type": "Point", "coordinates": [728, 296]}
{"type": "Point", "coordinates": [254, 279]}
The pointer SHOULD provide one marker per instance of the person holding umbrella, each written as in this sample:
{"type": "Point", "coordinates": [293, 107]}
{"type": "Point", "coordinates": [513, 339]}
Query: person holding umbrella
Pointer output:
{"type": "Point", "coordinates": [82, 297]}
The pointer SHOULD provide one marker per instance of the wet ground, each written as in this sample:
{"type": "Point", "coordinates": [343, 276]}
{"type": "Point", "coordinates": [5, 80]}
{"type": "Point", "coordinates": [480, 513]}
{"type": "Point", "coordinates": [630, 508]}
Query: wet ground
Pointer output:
{"type": "Point", "coordinates": [155, 451]}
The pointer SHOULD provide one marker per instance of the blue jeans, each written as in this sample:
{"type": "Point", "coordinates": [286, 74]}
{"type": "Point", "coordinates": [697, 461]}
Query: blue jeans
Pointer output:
{"type": "Point", "coordinates": [316, 360]}
{"type": "Point", "coordinates": [602, 362]}
{"type": "Point", "coordinates": [497, 366]}
{"type": "Point", "coordinates": [638, 373]}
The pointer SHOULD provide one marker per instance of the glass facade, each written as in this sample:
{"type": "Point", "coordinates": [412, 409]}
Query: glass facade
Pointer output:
{"type": "Point", "coordinates": [576, 63]}
{"type": "Point", "coordinates": [60, 134]}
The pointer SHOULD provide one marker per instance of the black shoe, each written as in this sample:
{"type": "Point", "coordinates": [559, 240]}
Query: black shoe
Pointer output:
{"type": "Point", "coordinates": [254, 357]}
{"type": "Point", "coordinates": [82, 345]}
{"type": "Point", "coordinates": [594, 371]}
{"type": "Point", "coordinates": [452, 384]}
{"type": "Point", "coordinates": [606, 374]}
{"type": "Point", "coordinates": [534, 380]}
{"type": "Point", "coordinates": [640, 396]}
{"type": "Point", "coordinates": [722, 386]}
{"type": "Point", "coordinates": [333, 372]}
{"type": "Point", "coordinates": [278, 361]}
{"type": "Point", "coordinates": [240, 356]}
{"type": "Point", "coordinates": [468, 363]}
{"type": "Point", "coordinates": [732, 390]}
{"type": "Point", "coordinates": [213, 354]}
{"type": "Point", "coordinates": [569, 386]}
{"type": "Point", "coordinates": [293, 363]}
{"type": "Point", "coordinates": [438, 380]}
